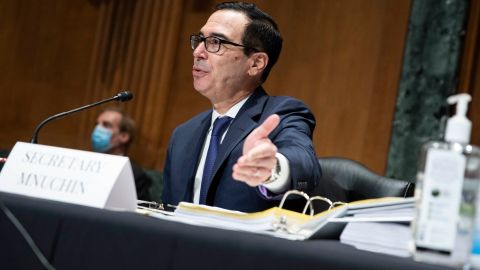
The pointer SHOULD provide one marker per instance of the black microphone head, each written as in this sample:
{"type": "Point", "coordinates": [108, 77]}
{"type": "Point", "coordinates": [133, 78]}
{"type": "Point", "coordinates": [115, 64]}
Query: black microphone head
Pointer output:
{"type": "Point", "coordinates": [124, 96]}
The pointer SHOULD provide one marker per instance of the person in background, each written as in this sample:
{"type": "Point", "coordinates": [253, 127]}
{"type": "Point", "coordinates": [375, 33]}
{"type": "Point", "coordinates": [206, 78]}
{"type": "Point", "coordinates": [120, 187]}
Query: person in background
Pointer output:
{"type": "Point", "coordinates": [113, 134]}
{"type": "Point", "coordinates": [250, 148]}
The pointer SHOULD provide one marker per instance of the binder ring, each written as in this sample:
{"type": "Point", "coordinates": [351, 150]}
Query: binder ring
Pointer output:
{"type": "Point", "coordinates": [297, 192]}
{"type": "Point", "coordinates": [319, 198]}
{"type": "Point", "coordinates": [336, 204]}
{"type": "Point", "coordinates": [150, 205]}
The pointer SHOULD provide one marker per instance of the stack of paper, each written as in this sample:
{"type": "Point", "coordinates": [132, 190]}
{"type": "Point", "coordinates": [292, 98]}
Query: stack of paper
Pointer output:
{"type": "Point", "coordinates": [387, 238]}
{"type": "Point", "coordinates": [383, 229]}
{"type": "Point", "coordinates": [276, 221]}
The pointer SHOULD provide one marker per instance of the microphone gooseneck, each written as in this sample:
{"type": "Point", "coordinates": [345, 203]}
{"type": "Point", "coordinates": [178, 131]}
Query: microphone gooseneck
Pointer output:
{"type": "Point", "coordinates": [122, 97]}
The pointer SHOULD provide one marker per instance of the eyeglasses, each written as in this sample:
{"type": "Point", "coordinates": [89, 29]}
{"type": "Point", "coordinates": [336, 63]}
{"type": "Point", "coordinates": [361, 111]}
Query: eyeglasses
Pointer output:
{"type": "Point", "coordinates": [212, 44]}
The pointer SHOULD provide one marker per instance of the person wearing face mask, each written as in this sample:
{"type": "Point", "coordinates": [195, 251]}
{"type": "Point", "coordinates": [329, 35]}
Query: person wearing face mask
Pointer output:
{"type": "Point", "coordinates": [113, 134]}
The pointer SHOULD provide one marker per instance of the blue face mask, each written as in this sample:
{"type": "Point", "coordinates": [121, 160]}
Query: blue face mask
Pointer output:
{"type": "Point", "coordinates": [101, 139]}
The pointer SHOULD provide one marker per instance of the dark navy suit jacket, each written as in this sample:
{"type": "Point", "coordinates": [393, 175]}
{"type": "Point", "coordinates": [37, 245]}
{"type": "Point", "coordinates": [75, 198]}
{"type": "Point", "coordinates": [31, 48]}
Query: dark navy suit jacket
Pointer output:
{"type": "Point", "coordinates": [292, 138]}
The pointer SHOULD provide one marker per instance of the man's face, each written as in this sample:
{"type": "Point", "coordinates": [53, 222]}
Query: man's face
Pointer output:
{"type": "Point", "coordinates": [111, 120]}
{"type": "Point", "coordinates": [219, 76]}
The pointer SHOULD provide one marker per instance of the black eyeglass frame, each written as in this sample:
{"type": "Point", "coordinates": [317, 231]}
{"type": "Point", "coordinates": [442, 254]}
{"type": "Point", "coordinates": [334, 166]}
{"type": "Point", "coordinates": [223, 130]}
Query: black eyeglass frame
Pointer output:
{"type": "Point", "coordinates": [194, 38]}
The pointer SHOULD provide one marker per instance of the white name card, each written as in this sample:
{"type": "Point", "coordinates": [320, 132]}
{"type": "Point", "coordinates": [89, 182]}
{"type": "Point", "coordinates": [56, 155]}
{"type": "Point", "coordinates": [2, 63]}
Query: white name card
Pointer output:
{"type": "Point", "coordinates": [68, 175]}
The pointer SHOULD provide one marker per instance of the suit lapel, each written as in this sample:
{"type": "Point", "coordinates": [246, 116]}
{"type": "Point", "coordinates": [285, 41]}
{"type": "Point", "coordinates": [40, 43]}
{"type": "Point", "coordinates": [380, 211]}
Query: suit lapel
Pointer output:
{"type": "Point", "coordinates": [245, 121]}
{"type": "Point", "coordinates": [198, 134]}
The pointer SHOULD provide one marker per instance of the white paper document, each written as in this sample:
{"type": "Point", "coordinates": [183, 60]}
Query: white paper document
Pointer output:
{"type": "Point", "coordinates": [387, 238]}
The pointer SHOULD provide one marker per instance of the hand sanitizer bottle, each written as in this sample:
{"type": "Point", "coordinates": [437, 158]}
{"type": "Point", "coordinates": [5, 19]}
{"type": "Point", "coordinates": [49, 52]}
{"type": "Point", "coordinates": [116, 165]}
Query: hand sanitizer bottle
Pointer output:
{"type": "Point", "coordinates": [447, 179]}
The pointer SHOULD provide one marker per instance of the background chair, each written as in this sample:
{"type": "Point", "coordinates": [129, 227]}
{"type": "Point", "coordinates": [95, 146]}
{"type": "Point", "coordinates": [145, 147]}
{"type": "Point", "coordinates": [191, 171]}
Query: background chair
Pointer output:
{"type": "Point", "coordinates": [157, 185]}
{"type": "Point", "coordinates": [347, 180]}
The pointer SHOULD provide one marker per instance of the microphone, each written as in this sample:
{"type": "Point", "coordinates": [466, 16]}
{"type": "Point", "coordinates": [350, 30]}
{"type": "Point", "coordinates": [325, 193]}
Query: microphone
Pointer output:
{"type": "Point", "coordinates": [122, 97]}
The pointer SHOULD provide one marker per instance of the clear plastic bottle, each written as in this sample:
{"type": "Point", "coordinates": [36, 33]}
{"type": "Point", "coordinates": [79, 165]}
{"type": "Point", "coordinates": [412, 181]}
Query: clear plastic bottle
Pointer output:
{"type": "Point", "coordinates": [446, 192]}
{"type": "Point", "coordinates": [443, 228]}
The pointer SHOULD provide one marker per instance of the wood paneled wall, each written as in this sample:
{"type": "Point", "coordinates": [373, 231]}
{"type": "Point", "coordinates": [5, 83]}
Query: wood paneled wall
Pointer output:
{"type": "Point", "coordinates": [469, 78]}
{"type": "Point", "coordinates": [45, 49]}
{"type": "Point", "coordinates": [342, 57]}
{"type": "Point", "coordinates": [135, 49]}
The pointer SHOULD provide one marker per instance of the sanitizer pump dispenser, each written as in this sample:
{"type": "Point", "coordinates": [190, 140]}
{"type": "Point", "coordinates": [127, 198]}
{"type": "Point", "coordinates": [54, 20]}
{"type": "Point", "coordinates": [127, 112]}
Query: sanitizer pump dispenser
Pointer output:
{"type": "Point", "coordinates": [458, 126]}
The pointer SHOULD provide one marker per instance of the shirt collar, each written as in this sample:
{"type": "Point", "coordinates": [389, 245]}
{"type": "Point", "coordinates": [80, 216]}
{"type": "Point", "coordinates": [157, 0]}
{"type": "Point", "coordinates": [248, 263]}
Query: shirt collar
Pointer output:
{"type": "Point", "coordinates": [232, 112]}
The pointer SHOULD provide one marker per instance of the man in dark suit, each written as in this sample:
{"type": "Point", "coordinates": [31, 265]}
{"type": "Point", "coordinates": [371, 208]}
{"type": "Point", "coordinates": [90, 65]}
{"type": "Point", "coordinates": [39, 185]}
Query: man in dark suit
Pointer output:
{"type": "Point", "coordinates": [251, 147]}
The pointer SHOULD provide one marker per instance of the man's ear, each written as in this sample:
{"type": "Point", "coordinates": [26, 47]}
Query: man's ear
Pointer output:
{"type": "Point", "coordinates": [258, 63]}
{"type": "Point", "coordinates": [124, 137]}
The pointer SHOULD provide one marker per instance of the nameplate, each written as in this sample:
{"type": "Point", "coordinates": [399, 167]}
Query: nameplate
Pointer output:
{"type": "Point", "coordinates": [68, 175]}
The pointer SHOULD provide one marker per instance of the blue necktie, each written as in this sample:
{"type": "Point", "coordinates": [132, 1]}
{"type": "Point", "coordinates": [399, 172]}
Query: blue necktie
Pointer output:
{"type": "Point", "coordinates": [219, 127]}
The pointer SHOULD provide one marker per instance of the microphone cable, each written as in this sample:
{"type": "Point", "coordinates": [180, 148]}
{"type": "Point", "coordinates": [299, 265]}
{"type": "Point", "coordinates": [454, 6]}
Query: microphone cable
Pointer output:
{"type": "Point", "coordinates": [16, 223]}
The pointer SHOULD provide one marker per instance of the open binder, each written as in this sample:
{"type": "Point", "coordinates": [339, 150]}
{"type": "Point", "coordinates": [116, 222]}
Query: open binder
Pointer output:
{"type": "Point", "coordinates": [277, 221]}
